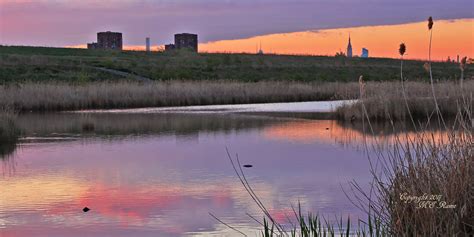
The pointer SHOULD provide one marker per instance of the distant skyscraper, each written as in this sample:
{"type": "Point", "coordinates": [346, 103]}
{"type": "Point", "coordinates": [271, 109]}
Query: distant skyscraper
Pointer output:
{"type": "Point", "coordinates": [365, 53]}
{"type": "Point", "coordinates": [349, 48]}
{"type": "Point", "coordinates": [148, 44]}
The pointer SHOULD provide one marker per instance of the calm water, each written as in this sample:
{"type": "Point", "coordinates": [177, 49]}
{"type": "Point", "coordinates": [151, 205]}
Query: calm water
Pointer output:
{"type": "Point", "coordinates": [161, 174]}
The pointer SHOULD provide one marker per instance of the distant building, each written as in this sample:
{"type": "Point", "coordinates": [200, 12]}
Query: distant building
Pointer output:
{"type": "Point", "coordinates": [148, 47]}
{"type": "Point", "coordinates": [169, 47]}
{"type": "Point", "coordinates": [365, 53]}
{"type": "Point", "coordinates": [186, 41]}
{"type": "Point", "coordinates": [92, 46]}
{"type": "Point", "coordinates": [349, 48]}
{"type": "Point", "coordinates": [107, 40]}
{"type": "Point", "coordinates": [260, 50]}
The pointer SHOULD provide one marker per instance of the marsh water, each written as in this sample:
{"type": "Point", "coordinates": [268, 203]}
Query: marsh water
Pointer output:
{"type": "Point", "coordinates": [160, 173]}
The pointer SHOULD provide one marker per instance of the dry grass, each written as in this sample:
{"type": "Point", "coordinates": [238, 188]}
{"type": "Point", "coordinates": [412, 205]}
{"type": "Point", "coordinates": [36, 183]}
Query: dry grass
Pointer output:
{"type": "Point", "coordinates": [62, 96]}
{"type": "Point", "coordinates": [423, 185]}
{"type": "Point", "coordinates": [422, 167]}
{"type": "Point", "coordinates": [384, 101]}
{"type": "Point", "coordinates": [428, 167]}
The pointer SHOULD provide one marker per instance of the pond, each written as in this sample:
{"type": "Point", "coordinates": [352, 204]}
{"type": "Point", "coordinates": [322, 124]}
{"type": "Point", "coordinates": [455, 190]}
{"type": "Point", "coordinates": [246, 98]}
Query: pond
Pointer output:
{"type": "Point", "coordinates": [155, 173]}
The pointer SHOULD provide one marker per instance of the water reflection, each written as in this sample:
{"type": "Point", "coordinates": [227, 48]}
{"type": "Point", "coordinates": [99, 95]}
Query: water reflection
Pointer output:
{"type": "Point", "coordinates": [354, 135]}
{"type": "Point", "coordinates": [161, 174]}
{"type": "Point", "coordinates": [68, 124]}
{"type": "Point", "coordinates": [9, 134]}
{"type": "Point", "coordinates": [7, 148]}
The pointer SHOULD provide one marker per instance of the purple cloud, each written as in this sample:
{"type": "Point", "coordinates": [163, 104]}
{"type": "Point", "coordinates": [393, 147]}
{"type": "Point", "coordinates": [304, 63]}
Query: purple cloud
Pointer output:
{"type": "Point", "coordinates": [72, 22]}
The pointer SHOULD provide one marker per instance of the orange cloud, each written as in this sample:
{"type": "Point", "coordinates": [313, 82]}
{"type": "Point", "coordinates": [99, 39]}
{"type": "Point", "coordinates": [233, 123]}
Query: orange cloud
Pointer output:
{"type": "Point", "coordinates": [450, 38]}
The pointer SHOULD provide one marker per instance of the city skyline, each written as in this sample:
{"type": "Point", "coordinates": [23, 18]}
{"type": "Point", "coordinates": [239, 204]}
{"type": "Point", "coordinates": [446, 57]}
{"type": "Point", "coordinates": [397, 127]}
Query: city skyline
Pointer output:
{"type": "Point", "coordinates": [66, 23]}
{"type": "Point", "coordinates": [452, 38]}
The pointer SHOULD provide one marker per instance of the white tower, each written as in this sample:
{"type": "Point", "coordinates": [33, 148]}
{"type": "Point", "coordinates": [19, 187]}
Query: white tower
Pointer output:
{"type": "Point", "coordinates": [148, 44]}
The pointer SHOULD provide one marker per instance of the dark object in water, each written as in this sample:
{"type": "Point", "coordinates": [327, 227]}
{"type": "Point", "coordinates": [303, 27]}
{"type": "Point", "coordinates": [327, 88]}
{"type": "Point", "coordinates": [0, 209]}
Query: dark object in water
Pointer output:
{"type": "Point", "coordinates": [248, 166]}
{"type": "Point", "coordinates": [86, 209]}
{"type": "Point", "coordinates": [327, 128]}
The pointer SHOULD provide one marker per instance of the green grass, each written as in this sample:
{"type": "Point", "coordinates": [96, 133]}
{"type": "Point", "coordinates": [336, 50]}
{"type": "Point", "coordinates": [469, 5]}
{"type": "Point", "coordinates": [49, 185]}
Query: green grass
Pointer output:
{"type": "Point", "coordinates": [63, 64]}
{"type": "Point", "coordinates": [314, 225]}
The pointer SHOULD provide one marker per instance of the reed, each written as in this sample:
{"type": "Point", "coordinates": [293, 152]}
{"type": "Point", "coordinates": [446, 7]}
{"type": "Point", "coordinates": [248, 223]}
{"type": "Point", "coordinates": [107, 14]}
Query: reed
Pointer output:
{"type": "Point", "coordinates": [103, 95]}
{"type": "Point", "coordinates": [381, 98]}
{"type": "Point", "coordinates": [423, 185]}
{"type": "Point", "coordinates": [391, 101]}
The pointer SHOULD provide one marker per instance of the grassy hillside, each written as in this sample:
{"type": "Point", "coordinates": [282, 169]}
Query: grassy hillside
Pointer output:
{"type": "Point", "coordinates": [39, 64]}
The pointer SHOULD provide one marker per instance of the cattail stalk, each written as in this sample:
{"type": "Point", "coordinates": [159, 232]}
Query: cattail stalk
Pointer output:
{"type": "Point", "coordinates": [438, 111]}
{"type": "Point", "coordinates": [402, 50]}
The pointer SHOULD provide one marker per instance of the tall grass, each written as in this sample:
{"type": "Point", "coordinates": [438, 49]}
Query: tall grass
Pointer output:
{"type": "Point", "coordinates": [390, 101]}
{"type": "Point", "coordinates": [382, 97]}
{"type": "Point", "coordinates": [436, 170]}
{"type": "Point", "coordinates": [62, 96]}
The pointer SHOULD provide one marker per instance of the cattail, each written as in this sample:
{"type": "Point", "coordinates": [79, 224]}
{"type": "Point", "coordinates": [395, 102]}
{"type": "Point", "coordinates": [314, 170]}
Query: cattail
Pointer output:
{"type": "Point", "coordinates": [430, 23]}
{"type": "Point", "coordinates": [426, 66]}
{"type": "Point", "coordinates": [462, 65]}
{"type": "Point", "coordinates": [402, 49]}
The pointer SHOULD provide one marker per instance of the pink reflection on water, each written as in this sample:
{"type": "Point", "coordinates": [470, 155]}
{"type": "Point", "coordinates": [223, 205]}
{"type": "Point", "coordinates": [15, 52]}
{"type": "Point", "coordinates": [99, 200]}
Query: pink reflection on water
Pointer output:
{"type": "Point", "coordinates": [155, 185]}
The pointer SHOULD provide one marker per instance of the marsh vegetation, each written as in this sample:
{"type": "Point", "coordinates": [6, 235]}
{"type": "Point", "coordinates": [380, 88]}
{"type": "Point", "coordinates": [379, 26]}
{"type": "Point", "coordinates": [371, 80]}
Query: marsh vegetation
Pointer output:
{"type": "Point", "coordinates": [102, 95]}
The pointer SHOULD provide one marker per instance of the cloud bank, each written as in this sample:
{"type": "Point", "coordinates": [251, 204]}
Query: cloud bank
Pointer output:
{"type": "Point", "coordinates": [71, 22]}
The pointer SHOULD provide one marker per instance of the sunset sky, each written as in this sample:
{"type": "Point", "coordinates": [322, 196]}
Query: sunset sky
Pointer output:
{"type": "Point", "coordinates": [75, 22]}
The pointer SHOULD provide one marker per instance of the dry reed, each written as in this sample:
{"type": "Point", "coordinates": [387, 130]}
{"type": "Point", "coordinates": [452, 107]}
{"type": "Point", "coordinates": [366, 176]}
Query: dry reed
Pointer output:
{"type": "Point", "coordinates": [385, 101]}
{"type": "Point", "coordinates": [423, 185]}
{"type": "Point", "coordinates": [63, 96]}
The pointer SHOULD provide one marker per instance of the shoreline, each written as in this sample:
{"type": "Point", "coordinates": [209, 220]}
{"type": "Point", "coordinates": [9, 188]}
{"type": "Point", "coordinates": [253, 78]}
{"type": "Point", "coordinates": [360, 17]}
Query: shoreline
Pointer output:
{"type": "Point", "coordinates": [53, 97]}
{"type": "Point", "coordinates": [382, 99]}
